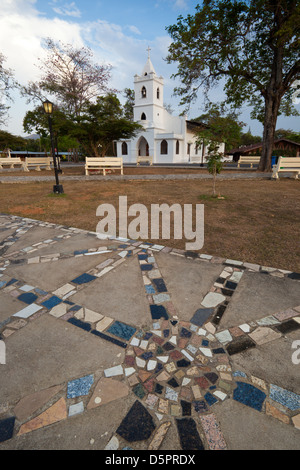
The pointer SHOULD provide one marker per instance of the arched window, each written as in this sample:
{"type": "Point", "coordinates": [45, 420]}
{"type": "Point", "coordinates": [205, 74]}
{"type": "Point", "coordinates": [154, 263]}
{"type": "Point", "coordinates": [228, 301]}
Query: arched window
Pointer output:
{"type": "Point", "coordinates": [157, 93]}
{"type": "Point", "coordinates": [143, 117]}
{"type": "Point", "coordinates": [164, 147]}
{"type": "Point", "coordinates": [177, 147]}
{"type": "Point", "coordinates": [144, 92]}
{"type": "Point", "coordinates": [124, 149]}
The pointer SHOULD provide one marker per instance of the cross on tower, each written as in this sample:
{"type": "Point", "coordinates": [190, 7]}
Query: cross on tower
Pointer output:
{"type": "Point", "coordinates": [148, 49]}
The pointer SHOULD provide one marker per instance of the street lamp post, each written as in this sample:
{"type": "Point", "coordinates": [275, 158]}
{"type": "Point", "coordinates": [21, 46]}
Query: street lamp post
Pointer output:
{"type": "Point", "coordinates": [48, 108]}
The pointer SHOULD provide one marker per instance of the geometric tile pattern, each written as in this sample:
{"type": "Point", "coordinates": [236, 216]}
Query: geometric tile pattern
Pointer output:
{"type": "Point", "coordinates": [177, 370]}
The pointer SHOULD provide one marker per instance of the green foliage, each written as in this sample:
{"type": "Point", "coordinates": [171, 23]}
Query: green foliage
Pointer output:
{"type": "Point", "coordinates": [101, 124]}
{"type": "Point", "coordinates": [253, 45]}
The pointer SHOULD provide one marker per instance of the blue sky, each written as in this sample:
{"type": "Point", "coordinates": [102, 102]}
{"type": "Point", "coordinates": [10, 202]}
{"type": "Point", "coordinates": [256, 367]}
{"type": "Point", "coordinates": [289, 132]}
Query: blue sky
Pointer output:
{"type": "Point", "coordinates": [117, 31]}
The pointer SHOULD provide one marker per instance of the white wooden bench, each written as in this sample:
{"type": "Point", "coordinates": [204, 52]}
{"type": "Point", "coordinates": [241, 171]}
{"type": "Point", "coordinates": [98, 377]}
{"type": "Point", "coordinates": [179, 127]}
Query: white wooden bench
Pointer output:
{"type": "Point", "coordinates": [11, 162]}
{"type": "Point", "coordinates": [37, 162]}
{"type": "Point", "coordinates": [103, 164]}
{"type": "Point", "coordinates": [287, 165]}
{"type": "Point", "coordinates": [248, 160]}
{"type": "Point", "coordinates": [144, 159]}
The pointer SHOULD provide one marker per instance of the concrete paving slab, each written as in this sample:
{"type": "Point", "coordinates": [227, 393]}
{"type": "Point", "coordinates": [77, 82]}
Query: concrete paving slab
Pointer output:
{"type": "Point", "coordinates": [57, 273]}
{"type": "Point", "coordinates": [259, 295]}
{"type": "Point", "coordinates": [50, 352]}
{"type": "Point", "coordinates": [112, 295]}
{"type": "Point", "coordinates": [252, 430]}
{"type": "Point", "coordinates": [187, 281]}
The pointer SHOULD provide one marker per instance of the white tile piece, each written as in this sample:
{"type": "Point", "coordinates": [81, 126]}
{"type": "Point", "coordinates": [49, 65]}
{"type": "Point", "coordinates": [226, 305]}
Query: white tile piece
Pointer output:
{"type": "Point", "coordinates": [135, 342]}
{"type": "Point", "coordinates": [224, 336]}
{"type": "Point", "coordinates": [187, 355]}
{"type": "Point", "coordinates": [212, 299]}
{"type": "Point", "coordinates": [245, 327]}
{"type": "Point", "coordinates": [220, 395]}
{"type": "Point", "coordinates": [151, 364]}
{"type": "Point", "coordinates": [206, 351]}
{"type": "Point", "coordinates": [129, 371]}
{"type": "Point", "coordinates": [76, 409]}
{"type": "Point", "coordinates": [163, 359]}
{"type": "Point", "coordinates": [28, 311]}
{"type": "Point", "coordinates": [113, 371]}
{"type": "Point", "coordinates": [26, 288]}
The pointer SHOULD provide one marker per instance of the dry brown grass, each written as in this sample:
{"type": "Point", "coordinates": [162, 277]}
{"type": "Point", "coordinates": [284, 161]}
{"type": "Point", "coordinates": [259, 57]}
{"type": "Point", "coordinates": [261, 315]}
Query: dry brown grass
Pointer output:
{"type": "Point", "coordinates": [258, 221]}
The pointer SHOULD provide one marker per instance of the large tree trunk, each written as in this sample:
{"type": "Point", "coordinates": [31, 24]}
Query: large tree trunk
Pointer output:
{"type": "Point", "coordinates": [271, 113]}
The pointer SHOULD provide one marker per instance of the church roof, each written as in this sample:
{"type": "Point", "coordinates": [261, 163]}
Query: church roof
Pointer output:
{"type": "Point", "coordinates": [148, 68]}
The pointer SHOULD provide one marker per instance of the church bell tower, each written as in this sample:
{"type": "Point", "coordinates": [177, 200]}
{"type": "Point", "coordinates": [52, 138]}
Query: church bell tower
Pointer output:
{"type": "Point", "coordinates": [149, 95]}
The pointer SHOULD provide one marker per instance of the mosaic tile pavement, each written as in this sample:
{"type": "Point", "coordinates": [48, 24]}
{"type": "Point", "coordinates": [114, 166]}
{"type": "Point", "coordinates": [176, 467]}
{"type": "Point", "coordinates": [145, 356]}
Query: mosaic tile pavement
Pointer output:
{"type": "Point", "coordinates": [178, 372]}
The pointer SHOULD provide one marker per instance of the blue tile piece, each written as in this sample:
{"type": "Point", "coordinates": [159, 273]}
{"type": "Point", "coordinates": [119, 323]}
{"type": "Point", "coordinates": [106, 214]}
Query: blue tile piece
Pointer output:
{"type": "Point", "coordinates": [210, 399]}
{"type": "Point", "coordinates": [28, 298]}
{"type": "Point", "coordinates": [12, 281]}
{"type": "Point", "coordinates": [52, 302]}
{"type": "Point", "coordinates": [142, 257]}
{"type": "Point", "coordinates": [2, 283]}
{"type": "Point", "coordinates": [40, 291]}
{"type": "Point", "coordinates": [205, 342]}
{"type": "Point", "coordinates": [7, 428]}
{"type": "Point", "coordinates": [239, 373]}
{"type": "Point", "coordinates": [146, 267]}
{"type": "Point", "coordinates": [110, 339]}
{"type": "Point", "coordinates": [147, 355]}
{"type": "Point", "coordinates": [79, 387]}
{"type": "Point", "coordinates": [83, 279]}
{"type": "Point", "coordinates": [286, 398]}
{"type": "Point", "coordinates": [201, 315]}
{"type": "Point", "coordinates": [121, 330]}
{"type": "Point", "coordinates": [249, 395]}
{"type": "Point", "coordinates": [75, 308]}
{"type": "Point", "coordinates": [158, 311]}
{"type": "Point", "coordinates": [80, 252]}
{"type": "Point", "coordinates": [185, 333]}
{"type": "Point", "coordinates": [81, 324]}
{"type": "Point", "coordinates": [150, 290]}
{"type": "Point", "coordinates": [160, 285]}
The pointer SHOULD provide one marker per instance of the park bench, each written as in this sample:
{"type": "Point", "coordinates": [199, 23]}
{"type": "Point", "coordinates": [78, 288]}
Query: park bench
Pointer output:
{"type": "Point", "coordinates": [287, 165]}
{"type": "Point", "coordinates": [11, 162]}
{"type": "Point", "coordinates": [103, 164]}
{"type": "Point", "coordinates": [248, 160]}
{"type": "Point", "coordinates": [37, 162]}
{"type": "Point", "coordinates": [144, 160]}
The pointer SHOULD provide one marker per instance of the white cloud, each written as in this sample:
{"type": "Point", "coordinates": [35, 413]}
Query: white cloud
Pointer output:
{"type": "Point", "coordinates": [68, 9]}
{"type": "Point", "coordinates": [134, 29]}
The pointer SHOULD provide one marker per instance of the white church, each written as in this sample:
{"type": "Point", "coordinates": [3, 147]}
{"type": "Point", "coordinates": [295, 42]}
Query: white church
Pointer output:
{"type": "Point", "coordinates": [165, 138]}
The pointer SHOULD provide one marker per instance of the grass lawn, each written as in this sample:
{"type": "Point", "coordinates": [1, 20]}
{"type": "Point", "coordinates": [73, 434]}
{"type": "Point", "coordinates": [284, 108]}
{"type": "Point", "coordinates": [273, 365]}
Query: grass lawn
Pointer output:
{"type": "Point", "coordinates": [258, 221]}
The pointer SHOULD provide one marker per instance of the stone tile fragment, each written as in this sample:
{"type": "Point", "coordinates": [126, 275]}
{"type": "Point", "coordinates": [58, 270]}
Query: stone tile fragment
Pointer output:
{"type": "Point", "coordinates": [137, 425]}
{"type": "Point", "coordinates": [7, 428]}
{"type": "Point", "coordinates": [286, 398]}
{"type": "Point", "coordinates": [106, 391]}
{"type": "Point", "coordinates": [55, 413]}
{"type": "Point", "coordinates": [159, 436]}
{"type": "Point", "coordinates": [28, 405]}
{"type": "Point", "coordinates": [188, 434]}
{"type": "Point", "coordinates": [214, 436]}
{"type": "Point", "coordinates": [264, 335]}
{"type": "Point", "coordinates": [80, 387]}
{"type": "Point", "coordinates": [273, 411]}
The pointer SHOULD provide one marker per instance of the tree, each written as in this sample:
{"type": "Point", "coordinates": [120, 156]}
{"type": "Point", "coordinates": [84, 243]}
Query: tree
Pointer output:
{"type": "Point", "coordinates": [218, 129]}
{"type": "Point", "coordinates": [251, 44]}
{"type": "Point", "coordinates": [70, 77]}
{"type": "Point", "coordinates": [129, 104]}
{"type": "Point", "coordinates": [7, 83]}
{"type": "Point", "coordinates": [101, 124]}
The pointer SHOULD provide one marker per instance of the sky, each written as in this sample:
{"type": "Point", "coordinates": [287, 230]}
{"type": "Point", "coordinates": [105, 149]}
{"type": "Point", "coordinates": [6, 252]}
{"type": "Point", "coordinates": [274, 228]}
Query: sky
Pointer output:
{"type": "Point", "coordinates": [118, 33]}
